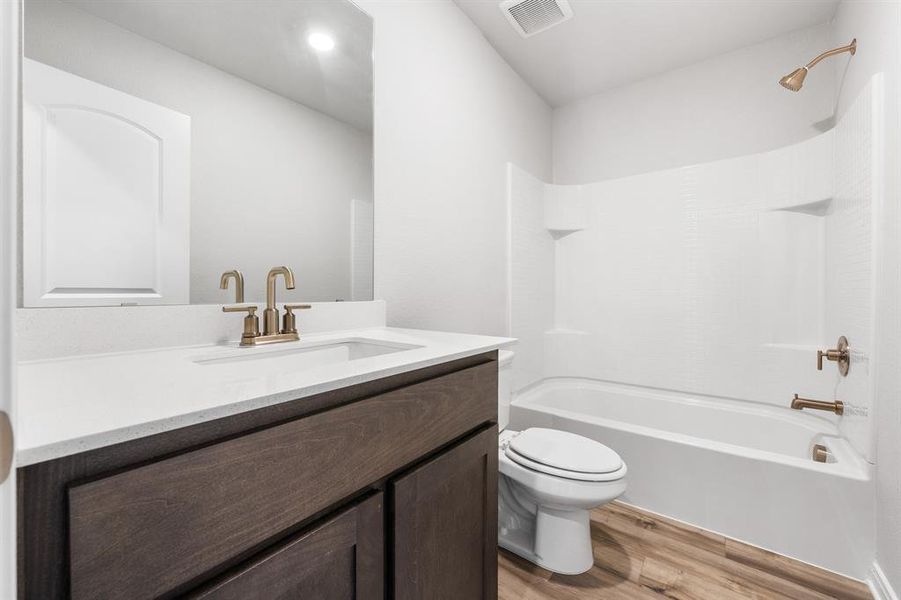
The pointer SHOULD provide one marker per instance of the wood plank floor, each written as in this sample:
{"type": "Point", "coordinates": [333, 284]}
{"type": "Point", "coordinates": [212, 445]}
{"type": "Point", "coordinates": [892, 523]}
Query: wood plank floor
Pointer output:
{"type": "Point", "coordinates": [639, 555]}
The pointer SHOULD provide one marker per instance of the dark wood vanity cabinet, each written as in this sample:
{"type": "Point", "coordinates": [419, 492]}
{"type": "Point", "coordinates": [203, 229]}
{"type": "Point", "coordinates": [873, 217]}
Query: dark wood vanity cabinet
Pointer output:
{"type": "Point", "coordinates": [341, 559]}
{"type": "Point", "coordinates": [445, 526]}
{"type": "Point", "coordinates": [386, 489]}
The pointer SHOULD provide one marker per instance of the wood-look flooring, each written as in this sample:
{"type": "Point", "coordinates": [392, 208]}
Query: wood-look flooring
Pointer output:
{"type": "Point", "coordinates": [643, 556]}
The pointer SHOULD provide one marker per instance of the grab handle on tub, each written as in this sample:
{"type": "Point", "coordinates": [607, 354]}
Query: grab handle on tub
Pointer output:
{"type": "Point", "coordinates": [838, 407]}
{"type": "Point", "coordinates": [820, 453]}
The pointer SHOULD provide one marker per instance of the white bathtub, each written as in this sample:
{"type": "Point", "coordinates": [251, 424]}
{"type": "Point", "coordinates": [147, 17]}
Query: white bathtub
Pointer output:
{"type": "Point", "coordinates": [740, 469]}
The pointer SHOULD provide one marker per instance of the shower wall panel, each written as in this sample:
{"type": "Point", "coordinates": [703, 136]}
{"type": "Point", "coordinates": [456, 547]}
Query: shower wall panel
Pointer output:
{"type": "Point", "coordinates": [719, 279]}
{"type": "Point", "coordinates": [530, 276]}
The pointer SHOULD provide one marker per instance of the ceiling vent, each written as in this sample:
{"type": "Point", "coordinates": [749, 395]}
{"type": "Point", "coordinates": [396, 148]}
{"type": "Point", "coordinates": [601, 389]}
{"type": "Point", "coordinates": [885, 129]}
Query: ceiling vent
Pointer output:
{"type": "Point", "coordinates": [529, 17]}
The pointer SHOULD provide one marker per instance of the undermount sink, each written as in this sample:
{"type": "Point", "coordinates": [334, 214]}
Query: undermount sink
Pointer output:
{"type": "Point", "coordinates": [305, 355]}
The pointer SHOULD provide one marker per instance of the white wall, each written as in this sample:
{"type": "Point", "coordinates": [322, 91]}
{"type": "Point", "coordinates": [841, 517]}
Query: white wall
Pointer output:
{"type": "Point", "coordinates": [727, 106]}
{"type": "Point", "coordinates": [272, 180]}
{"type": "Point", "coordinates": [449, 114]}
{"type": "Point", "coordinates": [877, 27]}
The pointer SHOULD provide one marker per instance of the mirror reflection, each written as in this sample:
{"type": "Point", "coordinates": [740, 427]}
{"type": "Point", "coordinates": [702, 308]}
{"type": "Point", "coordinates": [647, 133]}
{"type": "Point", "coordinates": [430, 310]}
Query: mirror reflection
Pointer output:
{"type": "Point", "coordinates": [169, 141]}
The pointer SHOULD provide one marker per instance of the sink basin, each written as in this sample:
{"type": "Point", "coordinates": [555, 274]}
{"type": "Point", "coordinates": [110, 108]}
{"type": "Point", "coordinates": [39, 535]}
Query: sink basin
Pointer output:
{"type": "Point", "coordinates": [295, 356]}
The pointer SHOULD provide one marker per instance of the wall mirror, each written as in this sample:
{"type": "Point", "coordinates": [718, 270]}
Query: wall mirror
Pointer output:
{"type": "Point", "coordinates": [168, 141]}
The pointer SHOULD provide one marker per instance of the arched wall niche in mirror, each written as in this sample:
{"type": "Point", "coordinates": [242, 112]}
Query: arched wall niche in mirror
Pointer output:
{"type": "Point", "coordinates": [168, 142]}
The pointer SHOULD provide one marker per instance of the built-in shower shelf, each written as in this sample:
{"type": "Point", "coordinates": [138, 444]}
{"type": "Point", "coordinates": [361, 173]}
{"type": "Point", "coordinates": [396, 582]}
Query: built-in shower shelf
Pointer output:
{"type": "Point", "coordinates": [559, 234]}
{"type": "Point", "coordinates": [565, 210]}
{"type": "Point", "coordinates": [817, 208]}
{"type": "Point", "coordinates": [565, 331]}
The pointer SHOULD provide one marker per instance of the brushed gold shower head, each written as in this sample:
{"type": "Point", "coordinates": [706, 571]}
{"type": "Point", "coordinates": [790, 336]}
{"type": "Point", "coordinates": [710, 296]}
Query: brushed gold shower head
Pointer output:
{"type": "Point", "coordinates": [794, 80]}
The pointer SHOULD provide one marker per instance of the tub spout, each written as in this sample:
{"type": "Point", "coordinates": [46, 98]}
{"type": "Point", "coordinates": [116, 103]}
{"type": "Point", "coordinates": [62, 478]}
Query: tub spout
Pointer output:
{"type": "Point", "coordinates": [837, 407]}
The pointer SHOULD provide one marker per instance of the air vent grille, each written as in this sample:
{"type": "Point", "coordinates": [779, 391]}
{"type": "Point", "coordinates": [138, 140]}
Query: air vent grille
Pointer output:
{"type": "Point", "coordinates": [529, 17]}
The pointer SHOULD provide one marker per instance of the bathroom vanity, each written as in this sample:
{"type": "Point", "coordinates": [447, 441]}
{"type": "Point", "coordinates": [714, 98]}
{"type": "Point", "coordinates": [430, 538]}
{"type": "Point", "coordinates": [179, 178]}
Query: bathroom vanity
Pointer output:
{"type": "Point", "coordinates": [155, 459]}
{"type": "Point", "coordinates": [368, 475]}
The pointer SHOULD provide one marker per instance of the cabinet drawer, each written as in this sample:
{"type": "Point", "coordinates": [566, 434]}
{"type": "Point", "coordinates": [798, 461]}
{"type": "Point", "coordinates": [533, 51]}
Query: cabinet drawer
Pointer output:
{"type": "Point", "coordinates": [153, 529]}
{"type": "Point", "coordinates": [341, 559]}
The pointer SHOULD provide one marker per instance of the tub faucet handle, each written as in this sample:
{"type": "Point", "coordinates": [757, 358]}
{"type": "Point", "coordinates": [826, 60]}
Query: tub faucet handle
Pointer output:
{"type": "Point", "coordinates": [841, 354]}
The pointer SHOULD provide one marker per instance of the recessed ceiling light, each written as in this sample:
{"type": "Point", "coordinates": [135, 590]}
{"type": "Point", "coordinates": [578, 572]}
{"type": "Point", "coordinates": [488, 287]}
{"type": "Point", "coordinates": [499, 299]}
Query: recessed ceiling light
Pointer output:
{"type": "Point", "coordinates": [321, 41]}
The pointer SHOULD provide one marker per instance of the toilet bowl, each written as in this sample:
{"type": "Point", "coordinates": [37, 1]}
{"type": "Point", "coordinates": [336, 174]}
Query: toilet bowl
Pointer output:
{"type": "Point", "coordinates": [549, 482]}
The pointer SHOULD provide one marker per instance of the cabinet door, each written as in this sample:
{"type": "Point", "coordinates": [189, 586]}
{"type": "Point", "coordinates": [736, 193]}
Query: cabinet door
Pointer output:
{"type": "Point", "coordinates": [445, 524]}
{"type": "Point", "coordinates": [342, 559]}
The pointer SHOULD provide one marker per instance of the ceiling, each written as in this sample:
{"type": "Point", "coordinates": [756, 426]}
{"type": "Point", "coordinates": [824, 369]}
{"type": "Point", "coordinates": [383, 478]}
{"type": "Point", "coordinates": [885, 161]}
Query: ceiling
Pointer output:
{"type": "Point", "coordinates": [264, 42]}
{"type": "Point", "coordinates": [609, 43]}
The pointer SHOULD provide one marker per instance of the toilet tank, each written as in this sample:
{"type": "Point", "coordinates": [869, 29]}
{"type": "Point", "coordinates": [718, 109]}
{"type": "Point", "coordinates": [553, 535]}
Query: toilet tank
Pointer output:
{"type": "Point", "coordinates": [504, 387]}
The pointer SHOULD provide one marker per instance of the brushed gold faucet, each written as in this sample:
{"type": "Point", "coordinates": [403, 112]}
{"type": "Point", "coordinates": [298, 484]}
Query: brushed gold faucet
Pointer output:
{"type": "Point", "coordinates": [270, 315]}
{"type": "Point", "coordinates": [838, 407]}
{"type": "Point", "coordinates": [271, 333]}
{"type": "Point", "coordinates": [239, 284]}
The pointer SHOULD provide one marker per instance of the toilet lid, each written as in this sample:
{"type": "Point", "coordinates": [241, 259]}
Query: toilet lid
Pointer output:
{"type": "Point", "coordinates": [562, 473]}
{"type": "Point", "coordinates": [564, 451]}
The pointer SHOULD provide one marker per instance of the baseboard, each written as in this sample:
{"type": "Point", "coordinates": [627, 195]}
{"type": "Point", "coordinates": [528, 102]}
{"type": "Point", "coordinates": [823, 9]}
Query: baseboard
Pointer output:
{"type": "Point", "coordinates": [879, 585]}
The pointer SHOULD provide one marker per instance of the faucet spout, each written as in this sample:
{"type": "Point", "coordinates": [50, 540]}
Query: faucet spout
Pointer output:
{"type": "Point", "coordinates": [270, 283]}
{"type": "Point", "coordinates": [270, 315]}
{"type": "Point", "coordinates": [836, 407]}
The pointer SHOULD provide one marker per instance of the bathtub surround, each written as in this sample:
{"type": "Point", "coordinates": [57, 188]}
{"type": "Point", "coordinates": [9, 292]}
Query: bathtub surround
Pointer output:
{"type": "Point", "coordinates": [880, 24]}
{"type": "Point", "coordinates": [852, 251]}
{"type": "Point", "coordinates": [530, 301]}
{"type": "Point", "coordinates": [714, 260]}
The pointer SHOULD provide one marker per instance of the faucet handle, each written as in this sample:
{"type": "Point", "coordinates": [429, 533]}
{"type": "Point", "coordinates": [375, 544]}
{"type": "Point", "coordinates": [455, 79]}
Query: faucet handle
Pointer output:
{"type": "Point", "coordinates": [289, 321]}
{"type": "Point", "coordinates": [250, 309]}
{"type": "Point", "coordinates": [251, 321]}
{"type": "Point", "coordinates": [290, 307]}
{"type": "Point", "coordinates": [840, 354]}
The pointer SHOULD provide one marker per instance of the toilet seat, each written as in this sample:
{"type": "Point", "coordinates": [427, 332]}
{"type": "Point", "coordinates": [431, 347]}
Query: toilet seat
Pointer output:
{"type": "Point", "coordinates": [563, 454]}
{"type": "Point", "coordinates": [563, 474]}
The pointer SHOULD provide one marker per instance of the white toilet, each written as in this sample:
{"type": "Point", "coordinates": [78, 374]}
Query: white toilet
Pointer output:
{"type": "Point", "coordinates": [549, 482]}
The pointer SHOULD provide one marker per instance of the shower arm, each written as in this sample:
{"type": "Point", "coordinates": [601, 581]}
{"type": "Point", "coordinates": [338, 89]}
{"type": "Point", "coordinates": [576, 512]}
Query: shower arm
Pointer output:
{"type": "Point", "coordinates": [852, 48]}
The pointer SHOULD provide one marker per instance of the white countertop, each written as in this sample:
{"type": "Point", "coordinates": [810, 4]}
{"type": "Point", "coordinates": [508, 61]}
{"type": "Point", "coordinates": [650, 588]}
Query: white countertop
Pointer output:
{"type": "Point", "coordinates": [70, 405]}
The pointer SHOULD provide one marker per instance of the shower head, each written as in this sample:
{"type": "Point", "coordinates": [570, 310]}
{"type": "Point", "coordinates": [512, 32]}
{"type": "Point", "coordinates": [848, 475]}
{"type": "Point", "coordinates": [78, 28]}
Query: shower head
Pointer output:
{"type": "Point", "coordinates": [794, 80]}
